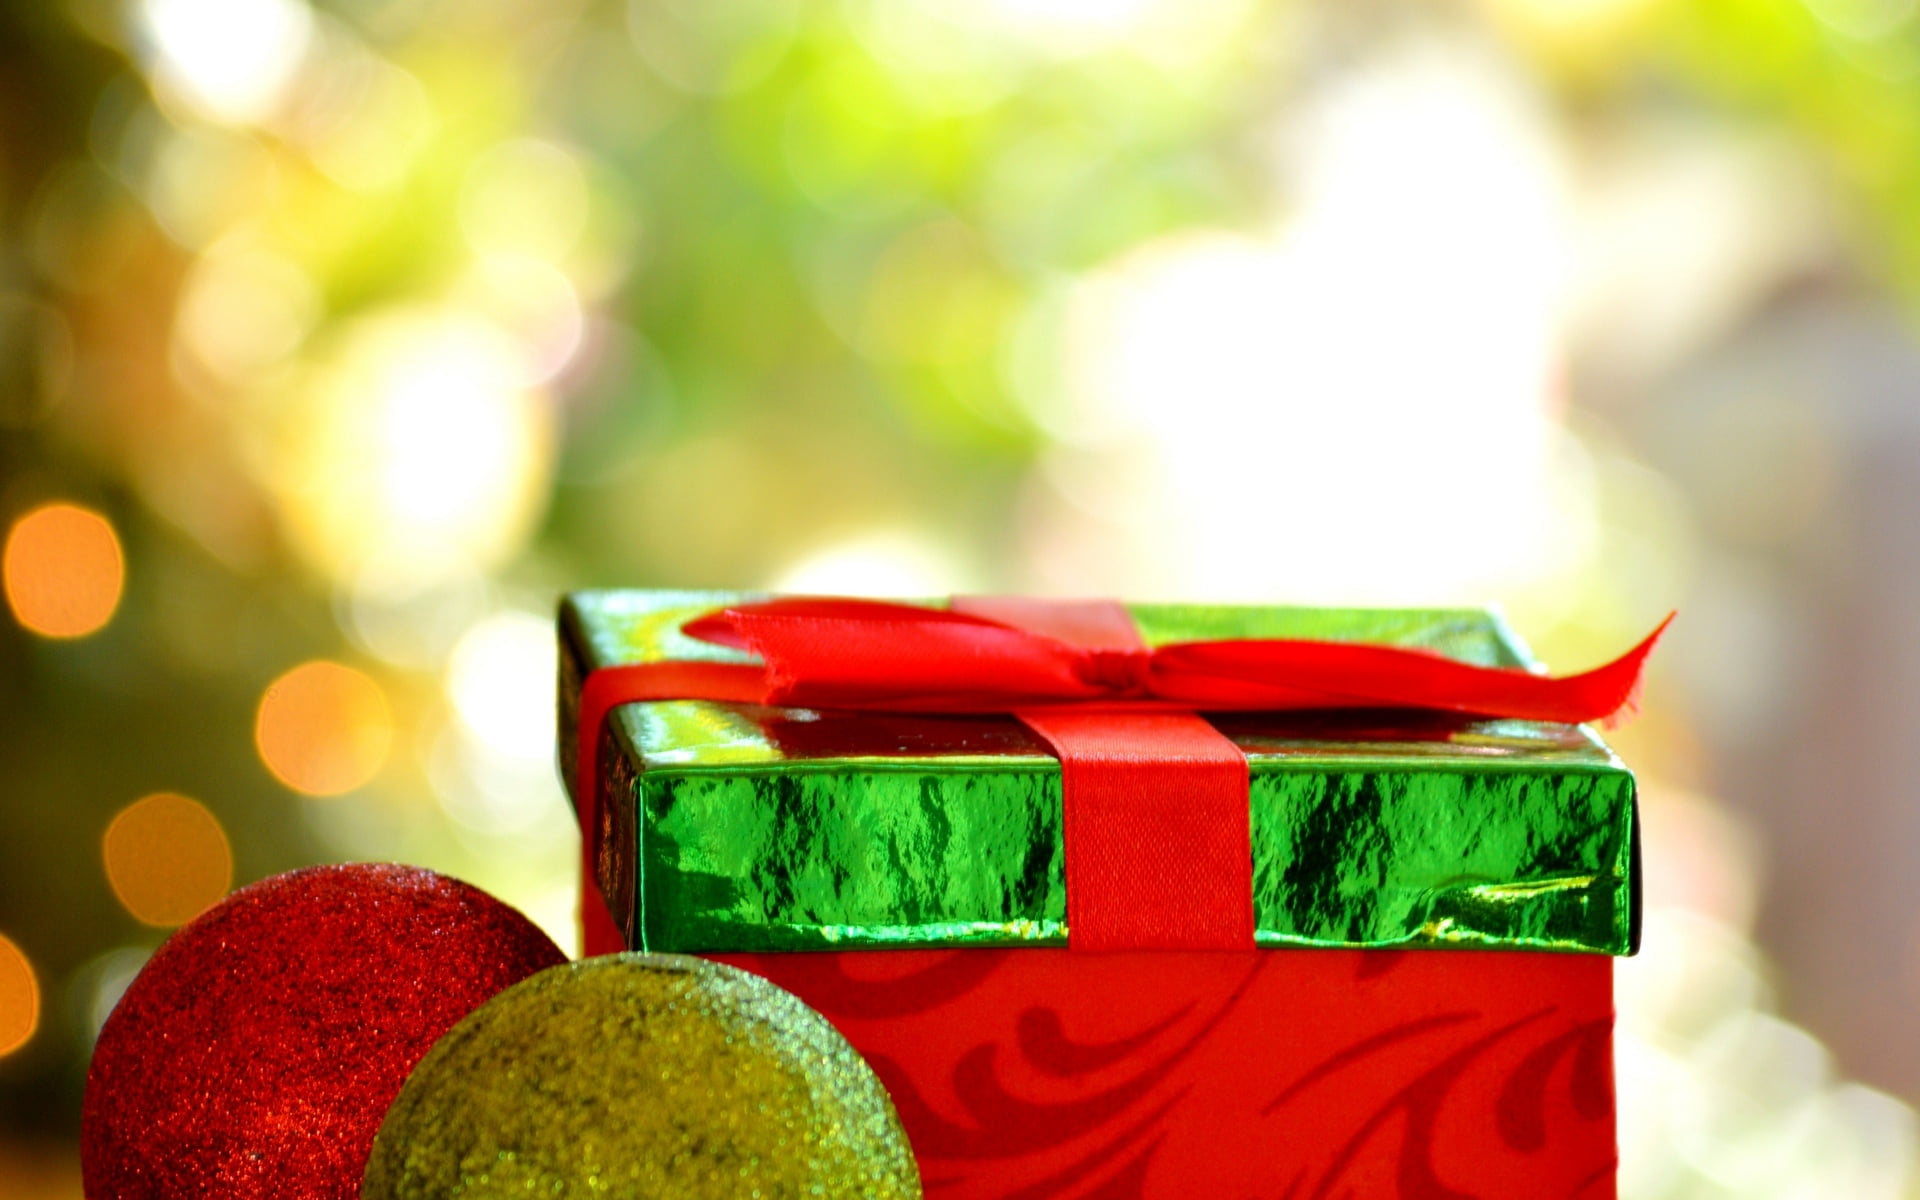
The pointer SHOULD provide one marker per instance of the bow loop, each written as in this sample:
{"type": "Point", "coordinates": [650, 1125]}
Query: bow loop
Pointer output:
{"type": "Point", "coordinates": [869, 654]}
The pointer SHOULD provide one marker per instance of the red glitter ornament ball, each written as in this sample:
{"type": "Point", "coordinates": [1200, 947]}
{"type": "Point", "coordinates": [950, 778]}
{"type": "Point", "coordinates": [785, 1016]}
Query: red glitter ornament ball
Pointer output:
{"type": "Point", "coordinates": [257, 1052]}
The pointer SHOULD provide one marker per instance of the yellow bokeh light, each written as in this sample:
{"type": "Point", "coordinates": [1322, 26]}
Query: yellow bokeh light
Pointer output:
{"type": "Point", "coordinates": [1571, 34]}
{"type": "Point", "coordinates": [167, 859]}
{"type": "Point", "coordinates": [244, 309]}
{"type": "Point", "coordinates": [19, 998]}
{"type": "Point", "coordinates": [63, 570]}
{"type": "Point", "coordinates": [525, 197]}
{"type": "Point", "coordinates": [501, 680]}
{"type": "Point", "coordinates": [417, 446]}
{"type": "Point", "coordinates": [323, 728]}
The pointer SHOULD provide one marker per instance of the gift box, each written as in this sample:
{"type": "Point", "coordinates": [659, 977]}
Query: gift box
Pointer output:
{"type": "Point", "coordinates": [1277, 951]}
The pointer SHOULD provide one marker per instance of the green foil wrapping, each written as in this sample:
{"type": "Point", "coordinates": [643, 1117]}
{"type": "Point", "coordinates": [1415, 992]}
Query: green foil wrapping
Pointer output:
{"type": "Point", "coordinates": [730, 827]}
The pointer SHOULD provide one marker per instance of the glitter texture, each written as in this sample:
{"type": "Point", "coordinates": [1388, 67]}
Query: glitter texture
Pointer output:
{"type": "Point", "coordinates": [256, 1053]}
{"type": "Point", "coordinates": [638, 1076]}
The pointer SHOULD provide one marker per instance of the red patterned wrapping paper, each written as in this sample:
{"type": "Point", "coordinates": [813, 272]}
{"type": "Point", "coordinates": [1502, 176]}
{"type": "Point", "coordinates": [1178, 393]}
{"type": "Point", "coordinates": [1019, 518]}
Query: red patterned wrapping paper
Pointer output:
{"type": "Point", "coordinates": [1281, 1074]}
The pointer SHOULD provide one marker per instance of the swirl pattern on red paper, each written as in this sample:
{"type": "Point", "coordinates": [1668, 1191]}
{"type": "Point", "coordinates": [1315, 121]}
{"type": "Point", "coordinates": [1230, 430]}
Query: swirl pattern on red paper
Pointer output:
{"type": "Point", "coordinates": [1312, 1074]}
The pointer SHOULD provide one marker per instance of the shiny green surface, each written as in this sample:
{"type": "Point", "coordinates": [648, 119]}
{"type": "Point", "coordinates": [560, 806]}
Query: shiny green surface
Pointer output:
{"type": "Point", "coordinates": [762, 829]}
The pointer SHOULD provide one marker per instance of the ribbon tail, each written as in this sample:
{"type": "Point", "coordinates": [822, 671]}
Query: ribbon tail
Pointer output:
{"type": "Point", "coordinates": [1273, 675]}
{"type": "Point", "coordinates": [1612, 691]}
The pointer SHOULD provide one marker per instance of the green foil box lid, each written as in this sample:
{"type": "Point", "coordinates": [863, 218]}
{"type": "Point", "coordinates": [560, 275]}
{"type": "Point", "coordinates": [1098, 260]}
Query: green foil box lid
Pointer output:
{"type": "Point", "coordinates": [736, 828]}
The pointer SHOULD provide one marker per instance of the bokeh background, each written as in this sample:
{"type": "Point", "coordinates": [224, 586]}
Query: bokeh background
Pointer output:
{"type": "Point", "coordinates": [337, 339]}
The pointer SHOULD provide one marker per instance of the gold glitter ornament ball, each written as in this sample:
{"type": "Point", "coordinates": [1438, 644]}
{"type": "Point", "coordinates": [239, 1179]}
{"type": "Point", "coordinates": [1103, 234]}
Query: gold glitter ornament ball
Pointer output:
{"type": "Point", "coordinates": [642, 1075]}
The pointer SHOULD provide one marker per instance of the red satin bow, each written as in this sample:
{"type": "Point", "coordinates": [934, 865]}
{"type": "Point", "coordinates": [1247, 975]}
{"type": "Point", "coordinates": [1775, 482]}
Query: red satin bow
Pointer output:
{"type": "Point", "coordinates": [868, 654]}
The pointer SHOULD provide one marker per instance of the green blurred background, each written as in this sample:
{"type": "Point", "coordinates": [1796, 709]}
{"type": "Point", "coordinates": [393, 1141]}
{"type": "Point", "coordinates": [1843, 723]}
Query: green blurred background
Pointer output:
{"type": "Point", "coordinates": [337, 339]}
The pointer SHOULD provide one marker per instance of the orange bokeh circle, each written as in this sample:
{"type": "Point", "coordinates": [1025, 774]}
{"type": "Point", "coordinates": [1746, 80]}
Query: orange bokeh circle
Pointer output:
{"type": "Point", "coordinates": [63, 570]}
{"type": "Point", "coordinates": [323, 728]}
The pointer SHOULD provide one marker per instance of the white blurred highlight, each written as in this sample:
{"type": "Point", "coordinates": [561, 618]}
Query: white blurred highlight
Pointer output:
{"type": "Point", "coordinates": [229, 60]}
{"type": "Point", "coordinates": [1357, 407]}
{"type": "Point", "coordinates": [492, 767]}
{"type": "Point", "coordinates": [500, 680]}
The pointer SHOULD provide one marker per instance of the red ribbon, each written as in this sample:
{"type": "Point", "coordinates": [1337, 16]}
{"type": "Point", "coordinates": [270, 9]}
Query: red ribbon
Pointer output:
{"type": "Point", "coordinates": [1155, 798]}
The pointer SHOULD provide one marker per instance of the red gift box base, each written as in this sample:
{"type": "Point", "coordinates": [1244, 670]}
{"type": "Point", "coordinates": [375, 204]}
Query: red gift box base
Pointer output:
{"type": "Point", "coordinates": [1272, 1074]}
{"type": "Point", "coordinates": [1296, 1074]}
